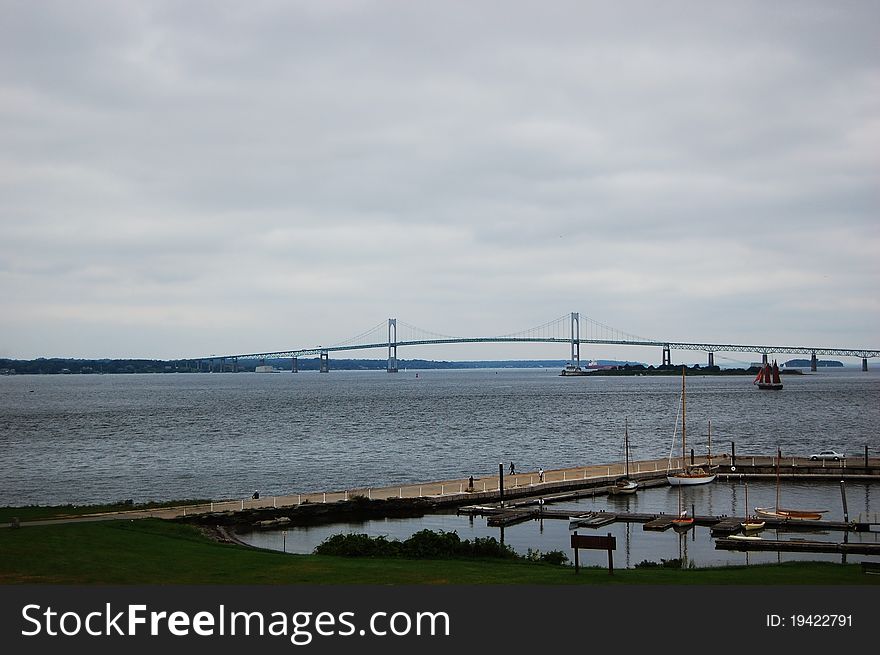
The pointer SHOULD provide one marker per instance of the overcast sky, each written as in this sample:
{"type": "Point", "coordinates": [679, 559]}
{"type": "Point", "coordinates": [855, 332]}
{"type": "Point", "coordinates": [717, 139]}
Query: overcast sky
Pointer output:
{"type": "Point", "coordinates": [188, 178]}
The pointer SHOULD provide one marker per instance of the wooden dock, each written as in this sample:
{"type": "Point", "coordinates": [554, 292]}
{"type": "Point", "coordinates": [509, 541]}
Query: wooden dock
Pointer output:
{"type": "Point", "coordinates": [721, 526]}
{"type": "Point", "coordinates": [799, 546]}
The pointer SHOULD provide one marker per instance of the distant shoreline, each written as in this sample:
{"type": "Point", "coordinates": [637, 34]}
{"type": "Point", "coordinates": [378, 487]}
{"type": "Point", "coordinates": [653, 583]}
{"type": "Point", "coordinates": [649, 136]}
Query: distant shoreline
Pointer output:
{"type": "Point", "coordinates": [59, 366]}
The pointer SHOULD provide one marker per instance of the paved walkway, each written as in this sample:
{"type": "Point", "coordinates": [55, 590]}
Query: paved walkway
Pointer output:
{"type": "Point", "coordinates": [441, 489]}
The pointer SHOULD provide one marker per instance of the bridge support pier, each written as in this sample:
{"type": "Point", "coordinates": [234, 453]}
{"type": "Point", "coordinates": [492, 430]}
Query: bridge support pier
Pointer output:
{"type": "Point", "coordinates": [392, 345]}
{"type": "Point", "coordinates": [222, 364]}
{"type": "Point", "coordinates": [235, 364]}
{"type": "Point", "coordinates": [711, 359]}
{"type": "Point", "coordinates": [865, 364]}
{"type": "Point", "coordinates": [325, 363]}
{"type": "Point", "coordinates": [814, 362]}
{"type": "Point", "coordinates": [667, 356]}
{"type": "Point", "coordinates": [764, 359]}
{"type": "Point", "coordinates": [293, 365]}
{"type": "Point", "coordinates": [575, 339]}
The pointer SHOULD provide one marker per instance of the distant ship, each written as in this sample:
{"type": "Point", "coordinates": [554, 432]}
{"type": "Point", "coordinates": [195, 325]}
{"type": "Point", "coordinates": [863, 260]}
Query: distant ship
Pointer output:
{"type": "Point", "coordinates": [265, 369]}
{"type": "Point", "coordinates": [768, 378]}
{"type": "Point", "coordinates": [592, 365]}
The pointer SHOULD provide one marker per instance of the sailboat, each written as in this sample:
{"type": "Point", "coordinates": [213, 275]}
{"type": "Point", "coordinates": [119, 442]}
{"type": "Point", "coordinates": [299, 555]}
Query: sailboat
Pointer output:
{"type": "Point", "coordinates": [768, 378]}
{"type": "Point", "coordinates": [778, 512]}
{"type": "Point", "coordinates": [683, 522]}
{"type": "Point", "coordinates": [691, 474]}
{"type": "Point", "coordinates": [624, 485]}
{"type": "Point", "coordinates": [750, 524]}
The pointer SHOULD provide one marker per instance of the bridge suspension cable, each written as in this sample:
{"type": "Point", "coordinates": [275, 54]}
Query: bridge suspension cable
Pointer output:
{"type": "Point", "coordinates": [409, 332]}
{"type": "Point", "coordinates": [555, 329]}
{"type": "Point", "coordinates": [374, 335]}
{"type": "Point", "coordinates": [593, 330]}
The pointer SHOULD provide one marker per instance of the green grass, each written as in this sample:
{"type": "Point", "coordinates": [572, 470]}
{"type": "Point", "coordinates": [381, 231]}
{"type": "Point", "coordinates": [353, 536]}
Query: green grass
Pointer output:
{"type": "Point", "coordinates": [43, 512]}
{"type": "Point", "coordinates": [151, 551]}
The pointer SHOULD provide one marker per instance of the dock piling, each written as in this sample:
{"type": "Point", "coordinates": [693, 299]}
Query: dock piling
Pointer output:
{"type": "Point", "coordinates": [501, 482]}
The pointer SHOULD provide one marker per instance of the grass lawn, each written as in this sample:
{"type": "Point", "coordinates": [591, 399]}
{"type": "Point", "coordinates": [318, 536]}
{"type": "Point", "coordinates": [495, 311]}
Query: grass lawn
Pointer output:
{"type": "Point", "coordinates": [151, 551]}
{"type": "Point", "coordinates": [40, 512]}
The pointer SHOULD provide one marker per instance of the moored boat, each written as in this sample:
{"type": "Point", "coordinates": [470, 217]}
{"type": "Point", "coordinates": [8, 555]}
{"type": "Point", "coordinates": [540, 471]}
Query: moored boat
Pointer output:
{"type": "Point", "coordinates": [745, 537]}
{"type": "Point", "coordinates": [789, 514]}
{"type": "Point", "coordinates": [781, 513]}
{"type": "Point", "coordinates": [624, 485]}
{"type": "Point", "coordinates": [750, 524]}
{"type": "Point", "coordinates": [691, 475]}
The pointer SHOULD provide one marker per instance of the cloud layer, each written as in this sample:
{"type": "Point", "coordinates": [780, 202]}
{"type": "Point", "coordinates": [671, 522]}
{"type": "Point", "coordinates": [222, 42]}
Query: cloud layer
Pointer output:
{"type": "Point", "coordinates": [181, 179]}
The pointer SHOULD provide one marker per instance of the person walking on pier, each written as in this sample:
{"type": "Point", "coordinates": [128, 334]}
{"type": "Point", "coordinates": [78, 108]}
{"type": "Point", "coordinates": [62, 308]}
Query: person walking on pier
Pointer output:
{"type": "Point", "coordinates": [512, 469]}
{"type": "Point", "coordinates": [471, 483]}
{"type": "Point", "coordinates": [540, 475]}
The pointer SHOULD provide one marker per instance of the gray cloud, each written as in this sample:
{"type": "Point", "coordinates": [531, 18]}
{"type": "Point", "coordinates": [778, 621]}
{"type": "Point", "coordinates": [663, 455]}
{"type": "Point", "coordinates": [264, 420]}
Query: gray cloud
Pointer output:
{"type": "Point", "coordinates": [305, 170]}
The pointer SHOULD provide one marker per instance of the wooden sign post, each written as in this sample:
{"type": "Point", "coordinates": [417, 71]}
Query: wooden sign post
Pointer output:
{"type": "Point", "coordinates": [608, 543]}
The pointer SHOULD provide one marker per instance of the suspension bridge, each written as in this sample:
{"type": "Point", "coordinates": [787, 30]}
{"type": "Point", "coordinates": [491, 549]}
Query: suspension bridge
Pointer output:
{"type": "Point", "coordinates": [574, 329]}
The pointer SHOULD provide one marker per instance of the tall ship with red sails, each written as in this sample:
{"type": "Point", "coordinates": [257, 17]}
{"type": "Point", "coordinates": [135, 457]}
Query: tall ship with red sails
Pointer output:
{"type": "Point", "coordinates": [768, 377]}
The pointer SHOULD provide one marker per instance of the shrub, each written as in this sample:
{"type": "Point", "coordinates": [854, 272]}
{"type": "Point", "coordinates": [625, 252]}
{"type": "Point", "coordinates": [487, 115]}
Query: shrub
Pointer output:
{"type": "Point", "coordinates": [428, 544]}
{"type": "Point", "coordinates": [554, 557]}
{"type": "Point", "coordinates": [358, 545]}
{"type": "Point", "coordinates": [425, 544]}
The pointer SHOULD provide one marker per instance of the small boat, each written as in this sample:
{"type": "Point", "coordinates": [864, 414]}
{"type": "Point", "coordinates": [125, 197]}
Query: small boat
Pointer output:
{"type": "Point", "coordinates": [768, 378]}
{"type": "Point", "coordinates": [691, 474]}
{"type": "Point", "coordinates": [750, 524]}
{"type": "Point", "coordinates": [790, 514]}
{"type": "Point", "coordinates": [745, 537]}
{"type": "Point", "coordinates": [624, 485]}
{"type": "Point", "coordinates": [683, 522]}
{"type": "Point", "coordinates": [783, 514]}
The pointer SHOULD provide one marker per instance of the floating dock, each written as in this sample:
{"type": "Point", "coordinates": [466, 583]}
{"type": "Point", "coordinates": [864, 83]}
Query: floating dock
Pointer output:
{"type": "Point", "coordinates": [799, 546]}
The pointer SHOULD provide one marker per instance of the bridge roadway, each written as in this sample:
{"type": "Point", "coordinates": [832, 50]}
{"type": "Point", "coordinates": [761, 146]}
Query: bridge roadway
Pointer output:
{"type": "Point", "coordinates": [569, 326]}
{"type": "Point", "coordinates": [677, 345]}
{"type": "Point", "coordinates": [454, 492]}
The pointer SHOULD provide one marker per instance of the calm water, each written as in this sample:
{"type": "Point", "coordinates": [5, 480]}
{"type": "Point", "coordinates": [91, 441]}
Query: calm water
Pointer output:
{"type": "Point", "coordinates": [634, 544]}
{"type": "Point", "coordinates": [86, 439]}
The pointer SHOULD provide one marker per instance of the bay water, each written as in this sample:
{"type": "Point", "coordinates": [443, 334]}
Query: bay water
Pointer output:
{"type": "Point", "coordinates": [102, 438]}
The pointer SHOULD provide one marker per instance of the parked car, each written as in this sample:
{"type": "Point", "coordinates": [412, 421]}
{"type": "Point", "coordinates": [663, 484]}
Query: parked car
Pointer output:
{"type": "Point", "coordinates": [828, 454]}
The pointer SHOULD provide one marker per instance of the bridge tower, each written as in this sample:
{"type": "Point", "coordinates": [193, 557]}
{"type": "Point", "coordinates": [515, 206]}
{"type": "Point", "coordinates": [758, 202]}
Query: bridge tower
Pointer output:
{"type": "Point", "coordinates": [575, 339]}
{"type": "Point", "coordinates": [325, 362]}
{"type": "Point", "coordinates": [667, 355]}
{"type": "Point", "coordinates": [392, 345]}
{"type": "Point", "coordinates": [294, 368]}
{"type": "Point", "coordinates": [814, 362]}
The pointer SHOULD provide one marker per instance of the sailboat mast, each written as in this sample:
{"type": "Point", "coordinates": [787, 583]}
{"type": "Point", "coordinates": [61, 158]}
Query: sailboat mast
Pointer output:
{"type": "Point", "coordinates": [777, 478]}
{"type": "Point", "coordinates": [683, 422]}
{"type": "Point", "coordinates": [709, 447]}
{"type": "Point", "coordinates": [626, 445]}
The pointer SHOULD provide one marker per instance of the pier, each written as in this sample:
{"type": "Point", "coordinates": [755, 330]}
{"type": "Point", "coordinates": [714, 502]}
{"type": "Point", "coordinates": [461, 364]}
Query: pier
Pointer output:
{"type": "Point", "coordinates": [557, 485]}
{"type": "Point", "coordinates": [721, 526]}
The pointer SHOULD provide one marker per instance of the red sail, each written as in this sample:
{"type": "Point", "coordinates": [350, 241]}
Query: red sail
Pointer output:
{"type": "Point", "coordinates": [776, 379]}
